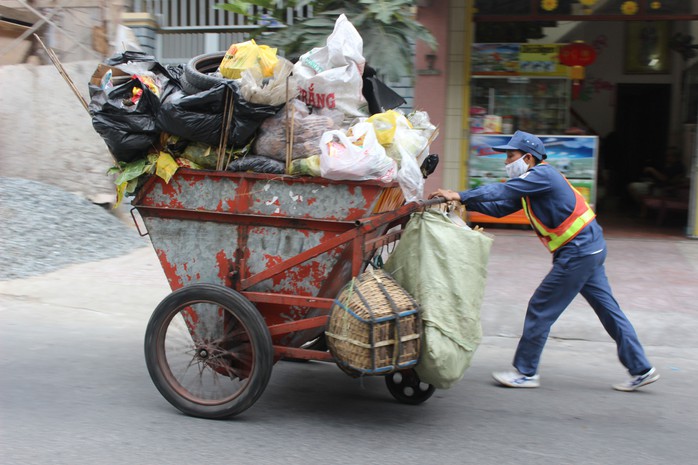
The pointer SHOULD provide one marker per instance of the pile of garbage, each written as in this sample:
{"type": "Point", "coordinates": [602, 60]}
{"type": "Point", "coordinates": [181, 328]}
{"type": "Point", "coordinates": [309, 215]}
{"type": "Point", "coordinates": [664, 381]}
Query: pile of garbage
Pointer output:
{"type": "Point", "coordinates": [249, 109]}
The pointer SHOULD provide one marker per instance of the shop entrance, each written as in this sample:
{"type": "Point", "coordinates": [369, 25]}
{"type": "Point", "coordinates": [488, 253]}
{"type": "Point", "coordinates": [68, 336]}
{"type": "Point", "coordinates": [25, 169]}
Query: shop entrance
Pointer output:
{"type": "Point", "coordinates": [641, 132]}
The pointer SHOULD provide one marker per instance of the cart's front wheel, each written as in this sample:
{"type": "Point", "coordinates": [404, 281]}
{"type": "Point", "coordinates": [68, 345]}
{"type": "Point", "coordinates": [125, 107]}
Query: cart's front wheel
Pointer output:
{"type": "Point", "coordinates": [208, 351]}
{"type": "Point", "coordinates": [406, 387]}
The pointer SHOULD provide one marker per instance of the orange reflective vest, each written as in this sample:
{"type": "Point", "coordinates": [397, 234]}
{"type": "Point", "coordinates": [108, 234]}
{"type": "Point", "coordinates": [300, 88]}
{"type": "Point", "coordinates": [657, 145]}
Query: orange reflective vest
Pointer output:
{"type": "Point", "coordinates": [554, 238]}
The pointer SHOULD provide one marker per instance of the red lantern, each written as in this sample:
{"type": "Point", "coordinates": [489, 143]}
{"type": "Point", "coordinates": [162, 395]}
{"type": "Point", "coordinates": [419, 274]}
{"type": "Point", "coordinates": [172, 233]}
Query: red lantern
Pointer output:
{"type": "Point", "coordinates": [577, 55]}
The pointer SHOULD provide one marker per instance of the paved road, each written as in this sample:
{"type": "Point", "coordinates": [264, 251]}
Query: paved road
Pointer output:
{"type": "Point", "coordinates": [74, 388]}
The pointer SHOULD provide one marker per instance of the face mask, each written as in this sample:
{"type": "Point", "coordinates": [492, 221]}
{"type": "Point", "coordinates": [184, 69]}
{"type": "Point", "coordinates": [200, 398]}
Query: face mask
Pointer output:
{"type": "Point", "coordinates": [516, 168]}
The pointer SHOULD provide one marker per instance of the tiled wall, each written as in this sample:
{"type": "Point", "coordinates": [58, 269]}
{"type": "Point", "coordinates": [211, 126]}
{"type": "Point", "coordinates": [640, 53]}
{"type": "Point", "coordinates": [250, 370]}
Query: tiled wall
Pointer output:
{"type": "Point", "coordinates": [454, 128]}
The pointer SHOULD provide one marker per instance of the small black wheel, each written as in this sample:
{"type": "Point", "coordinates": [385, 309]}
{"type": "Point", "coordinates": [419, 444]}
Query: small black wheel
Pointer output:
{"type": "Point", "coordinates": [208, 351]}
{"type": "Point", "coordinates": [406, 387]}
{"type": "Point", "coordinates": [196, 72]}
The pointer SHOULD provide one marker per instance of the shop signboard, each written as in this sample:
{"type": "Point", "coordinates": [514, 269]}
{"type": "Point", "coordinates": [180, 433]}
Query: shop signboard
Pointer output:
{"type": "Point", "coordinates": [517, 59]}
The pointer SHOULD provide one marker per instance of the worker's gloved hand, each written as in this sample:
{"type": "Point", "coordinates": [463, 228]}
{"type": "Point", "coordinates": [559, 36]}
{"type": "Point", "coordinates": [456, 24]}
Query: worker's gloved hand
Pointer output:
{"type": "Point", "coordinates": [446, 194]}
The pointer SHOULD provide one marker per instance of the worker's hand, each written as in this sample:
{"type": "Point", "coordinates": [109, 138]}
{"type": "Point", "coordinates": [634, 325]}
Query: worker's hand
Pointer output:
{"type": "Point", "coordinates": [446, 194]}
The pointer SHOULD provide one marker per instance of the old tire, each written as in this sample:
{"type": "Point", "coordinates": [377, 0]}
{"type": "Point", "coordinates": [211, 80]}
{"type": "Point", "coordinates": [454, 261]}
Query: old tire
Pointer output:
{"type": "Point", "coordinates": [208, 351]}
{"type": "Point", "coordinates": [196, 72]}
{"type": "Point", "coordinates": [406, 387]}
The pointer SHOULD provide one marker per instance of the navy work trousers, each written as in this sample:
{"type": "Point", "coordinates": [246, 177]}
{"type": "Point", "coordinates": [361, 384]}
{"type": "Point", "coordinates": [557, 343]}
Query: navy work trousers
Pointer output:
{"type": "Point", "coordinates": [569, 277]}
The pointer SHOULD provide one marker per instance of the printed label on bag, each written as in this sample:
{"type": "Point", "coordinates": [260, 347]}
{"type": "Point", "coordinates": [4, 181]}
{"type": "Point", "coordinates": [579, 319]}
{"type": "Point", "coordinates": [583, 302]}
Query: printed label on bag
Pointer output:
{"type": "Point", "coordinates": [317, 100]}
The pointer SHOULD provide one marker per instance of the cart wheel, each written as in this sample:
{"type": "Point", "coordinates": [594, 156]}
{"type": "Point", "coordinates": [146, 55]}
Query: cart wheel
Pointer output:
{"type": "Point", "coordinates": [208, 351]}
{"type": "Point", "coordinates": [406, 387]}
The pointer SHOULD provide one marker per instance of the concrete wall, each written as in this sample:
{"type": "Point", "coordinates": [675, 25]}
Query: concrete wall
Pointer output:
{"type": "Point", "coordinates": [441, 95]}
{"type": "Point", "coordinates": [45, 133]}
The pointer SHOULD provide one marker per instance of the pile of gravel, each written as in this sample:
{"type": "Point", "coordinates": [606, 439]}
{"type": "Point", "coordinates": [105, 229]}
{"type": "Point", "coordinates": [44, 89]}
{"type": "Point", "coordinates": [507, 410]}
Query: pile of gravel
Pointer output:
{"type": "Point", "coordinates": [44, 228]}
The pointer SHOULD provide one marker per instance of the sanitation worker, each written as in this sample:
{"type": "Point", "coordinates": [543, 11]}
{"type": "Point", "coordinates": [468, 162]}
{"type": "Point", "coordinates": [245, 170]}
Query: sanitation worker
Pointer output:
{"type": "Point", "coordinates": [567, 227]}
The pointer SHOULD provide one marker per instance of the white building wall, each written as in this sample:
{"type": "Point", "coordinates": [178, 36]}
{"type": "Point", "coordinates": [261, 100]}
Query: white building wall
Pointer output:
{"type": "Point", "coordinates": [45, 133]}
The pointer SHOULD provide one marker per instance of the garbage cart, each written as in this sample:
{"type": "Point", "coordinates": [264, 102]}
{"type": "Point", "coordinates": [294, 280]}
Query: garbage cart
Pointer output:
{"type": "Point", "coordinates": [255, 262]}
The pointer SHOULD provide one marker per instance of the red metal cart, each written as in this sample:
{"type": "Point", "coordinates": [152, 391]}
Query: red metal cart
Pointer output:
{"type": "Point", "coordinates": [255, 262]}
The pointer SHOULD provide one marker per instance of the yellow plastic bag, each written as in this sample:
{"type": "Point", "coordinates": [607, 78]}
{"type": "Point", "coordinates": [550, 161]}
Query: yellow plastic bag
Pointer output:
{"type": "Point", "coordinates": [166, 166]}
{"type": "Point", "coordinates": [267, 60]}
{"type": "Point", "coordinates": [385, 124]}
{"type": "Point", "coordinates": [244, 55]}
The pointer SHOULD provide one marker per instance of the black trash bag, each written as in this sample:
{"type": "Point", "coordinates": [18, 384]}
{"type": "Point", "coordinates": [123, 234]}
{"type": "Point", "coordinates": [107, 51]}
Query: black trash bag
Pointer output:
{"type": "Point", "coordinates": [169, 77]}
{"type": "Point", "coordinates": [429, 164]}
{"type": "Point", "coordinates": [258, 164]}
{"type": "Point", "coordinates": [175, 71]}
{"type": "Point", "coordinates": [120, 58]}
{"type": "Point", "coordinates": [379, 96]}
{"type": "Point", "coordinates": [199, 117]}
{"type": "Point", "coordinates": [129, 130]}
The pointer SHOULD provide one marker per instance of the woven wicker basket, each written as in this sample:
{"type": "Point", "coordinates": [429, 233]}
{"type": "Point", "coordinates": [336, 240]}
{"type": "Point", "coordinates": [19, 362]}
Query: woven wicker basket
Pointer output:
{"type": "Point", "coordinates": [374, 326]}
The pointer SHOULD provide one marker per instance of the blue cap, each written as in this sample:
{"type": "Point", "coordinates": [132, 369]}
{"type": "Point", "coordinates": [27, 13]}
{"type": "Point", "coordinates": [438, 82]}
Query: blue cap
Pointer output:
{"type": "Point", "coordinates": [528, 143]}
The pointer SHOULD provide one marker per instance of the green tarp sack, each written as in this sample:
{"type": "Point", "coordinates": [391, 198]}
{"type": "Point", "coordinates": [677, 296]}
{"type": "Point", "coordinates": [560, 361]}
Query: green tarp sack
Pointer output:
{"type": "Point", "coordinates": [444, 267]}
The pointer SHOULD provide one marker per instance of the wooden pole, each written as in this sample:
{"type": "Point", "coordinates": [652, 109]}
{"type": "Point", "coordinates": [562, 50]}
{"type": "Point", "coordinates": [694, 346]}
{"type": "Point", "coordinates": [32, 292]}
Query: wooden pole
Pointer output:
{"type": "Point", "coordinates": [56, 62]}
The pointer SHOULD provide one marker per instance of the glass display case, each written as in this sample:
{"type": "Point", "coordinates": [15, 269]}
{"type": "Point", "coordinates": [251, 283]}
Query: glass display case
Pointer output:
{"type": "Point", "coordinates": [503, 104]}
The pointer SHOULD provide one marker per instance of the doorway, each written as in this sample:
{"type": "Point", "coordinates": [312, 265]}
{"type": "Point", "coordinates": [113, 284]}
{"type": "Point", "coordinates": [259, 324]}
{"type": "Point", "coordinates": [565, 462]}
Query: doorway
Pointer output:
{"type": "Point", "coordinates": [641, 132]}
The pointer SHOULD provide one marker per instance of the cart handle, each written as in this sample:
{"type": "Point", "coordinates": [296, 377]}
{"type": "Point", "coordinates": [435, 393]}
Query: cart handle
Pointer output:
{"type": "Point", "coordinates": [434, 201]}
{"type": "Point", "coordinates": [404, 210]}
{"type": "Point", "coordinates": [135, 221]}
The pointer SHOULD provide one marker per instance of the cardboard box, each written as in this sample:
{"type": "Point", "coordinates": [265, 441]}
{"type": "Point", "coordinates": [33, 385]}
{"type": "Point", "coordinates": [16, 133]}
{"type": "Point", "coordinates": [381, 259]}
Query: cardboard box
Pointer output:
{"type": "Point", "coordinates": [118, 76]}
{"type": "Point", "coordinates": [493, 124]}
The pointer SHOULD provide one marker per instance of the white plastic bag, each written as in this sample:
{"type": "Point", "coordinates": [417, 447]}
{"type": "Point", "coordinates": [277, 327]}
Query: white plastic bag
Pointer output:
{"type": "Point", "coordinates": [410, 178]}
{"type": "Point", "coordinates": [332, 76]}
{"type": "Point", "coordinates": [355, 157]}
{"type": "Point", "coordinates": [421, 123]}
{"type": "Point", "coordinates": [255, 88]}
{"type": "Point", "coordinates": [406, 146]}
{"type": "Point", "coordinates": [403, 144]}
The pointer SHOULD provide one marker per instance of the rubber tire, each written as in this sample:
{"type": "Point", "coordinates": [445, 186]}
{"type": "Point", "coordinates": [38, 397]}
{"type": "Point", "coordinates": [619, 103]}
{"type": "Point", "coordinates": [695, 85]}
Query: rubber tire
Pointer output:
{"type": "Point", "coordinates": [410, 380]}
{"type": "Point", "coordinates": [197, 69]}
{"type": "Point", "coordinates": [188, 88]}
{"type": "Point", "coordinates": [259, 337]}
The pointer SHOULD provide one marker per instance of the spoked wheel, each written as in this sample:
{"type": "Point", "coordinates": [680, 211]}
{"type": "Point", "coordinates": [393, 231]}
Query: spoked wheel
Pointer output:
{"type": "Point", "coordinates": [208, 351]}
{"type": "Point", "coordinates": [406, 387]}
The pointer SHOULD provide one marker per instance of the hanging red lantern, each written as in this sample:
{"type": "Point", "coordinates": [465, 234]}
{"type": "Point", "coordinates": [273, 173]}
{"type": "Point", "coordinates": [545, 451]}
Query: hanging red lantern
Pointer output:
{"type": "Point", "coordinates": [577, 55]}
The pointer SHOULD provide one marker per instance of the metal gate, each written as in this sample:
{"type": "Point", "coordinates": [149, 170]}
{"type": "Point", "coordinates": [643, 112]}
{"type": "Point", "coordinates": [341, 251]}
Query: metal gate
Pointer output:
{"type": "Point", "coordinates": [187, 28]}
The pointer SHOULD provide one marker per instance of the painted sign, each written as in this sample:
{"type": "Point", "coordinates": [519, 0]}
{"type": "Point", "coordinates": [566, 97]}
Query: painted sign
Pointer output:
{"type": "Point", "coordinates": [517, 59]}
{"type": "Point", "coordinates": [541, 60]}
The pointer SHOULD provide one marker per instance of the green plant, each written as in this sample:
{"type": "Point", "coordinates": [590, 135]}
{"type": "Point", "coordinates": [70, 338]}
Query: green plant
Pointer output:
{"type": "Point", "coordinates": [388, 28]}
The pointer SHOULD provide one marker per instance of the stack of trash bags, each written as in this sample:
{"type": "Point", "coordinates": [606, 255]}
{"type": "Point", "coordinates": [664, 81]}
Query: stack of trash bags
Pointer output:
{"type": "Point", "coordinates": [248, 109]}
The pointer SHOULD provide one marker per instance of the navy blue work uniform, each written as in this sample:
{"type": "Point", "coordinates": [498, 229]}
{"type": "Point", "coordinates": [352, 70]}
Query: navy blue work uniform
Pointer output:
{"type": "Point", "coordinates": [578, 266]}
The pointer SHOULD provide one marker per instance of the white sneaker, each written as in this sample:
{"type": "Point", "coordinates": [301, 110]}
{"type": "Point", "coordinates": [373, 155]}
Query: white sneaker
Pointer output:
{"type": "Point", "coordinates": [516, 380]}
{"type": "Point", "coordinates": [638, 381]}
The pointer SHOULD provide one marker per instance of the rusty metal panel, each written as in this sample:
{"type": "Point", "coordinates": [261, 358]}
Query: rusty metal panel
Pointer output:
{"type": "Point", "coordinates": [205, 225]}
{"type": "Point", "coordinates": [203, 252]}
{"type": "Point", "coordinates": [273, 196]}
{"type": "Point", "coordinates": [333, 201]}
{"type": "Point", "coordinates": [193, 251]}
{"type": "Point", "coordinates": [269, 246]}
